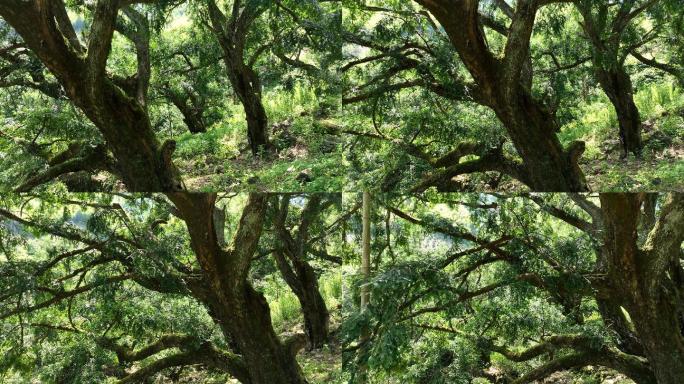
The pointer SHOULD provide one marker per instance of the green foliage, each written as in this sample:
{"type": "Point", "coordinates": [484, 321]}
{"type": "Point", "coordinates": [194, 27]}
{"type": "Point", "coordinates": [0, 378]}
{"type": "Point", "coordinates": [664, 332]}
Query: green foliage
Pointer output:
{"type": "Point", "coordinates": [284, 103]}
{"type": "Point", "coordinates": [136, 275]}
{"type": "Point", "coordinates": [658, 99]}
{"type": "Point", "coordinates": [439, 303]}
{"type": "Point", "coordinates": [331, 289]}
{"type": "Point", "coordinates": [285, 310]}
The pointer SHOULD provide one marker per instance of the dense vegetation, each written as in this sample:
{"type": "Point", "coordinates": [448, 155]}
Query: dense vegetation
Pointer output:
{"type": "Point", "coordinates": [265, 191]}
{"type": "Point", "coordinates": [500, 95]}
{"type": "Point", "coordinates": [468, 288]}
{"type": "Point", "coordinates": [331, 95]}
{"type": "Point", "coordinates": [169, 95]}
{"type": "Point", "coordinates": [128, 288]}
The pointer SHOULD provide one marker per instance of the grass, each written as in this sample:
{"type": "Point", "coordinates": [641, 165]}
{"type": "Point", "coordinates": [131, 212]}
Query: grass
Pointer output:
{"type": "Point", "coordinates": [281, 104]}
{"type": "Point", "coordinates": [213, 159]}
{"type": "Point", "coordinates": [661, 106]}
{"type": "Point", "coordinates": [323, 366]}
{"type": "Point", "coordinates": [331, 289]}
{"type": "Point", "coordinates": [285, 308]}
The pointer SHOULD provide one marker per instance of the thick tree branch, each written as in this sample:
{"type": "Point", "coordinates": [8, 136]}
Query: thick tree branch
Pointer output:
{"type": "Point", "coordinates": [663, 245]}
{"type": "Point", "coordinates": [100, 42]}
{"type": "Point", "coordinates": [89, 159]}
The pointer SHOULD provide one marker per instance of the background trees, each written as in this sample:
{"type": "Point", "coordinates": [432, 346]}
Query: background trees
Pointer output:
{"type": "Point", "coordinates": [47, 31]}
{"type": "Point", "coordinates": [129, 287]}
{"type": "Point", "coordinates": [233, 29]}
{"type": "Point", "coordinates": [615, 32]}
{"type": "Point", "coordinates": [293, 251]}
{"type": "Point", "coordinates": [515, 289]}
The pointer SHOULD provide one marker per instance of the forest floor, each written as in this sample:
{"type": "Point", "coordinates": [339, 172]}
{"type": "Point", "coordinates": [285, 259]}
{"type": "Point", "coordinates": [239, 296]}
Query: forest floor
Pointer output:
{"type": "Point", "coordinates": [322, 366]}
{"type": "Point", "coordinates": [304, 159]}
{"type": "Point", "coordinates": [589, 375]}
{"type": "Point", "coordinates": [660, 168]}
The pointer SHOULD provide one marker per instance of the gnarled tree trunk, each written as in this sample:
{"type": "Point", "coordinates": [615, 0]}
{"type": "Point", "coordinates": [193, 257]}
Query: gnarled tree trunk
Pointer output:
{"type": "Point", "coordinates": [615, 319]}
{"type": "Point", "coordinates": [141, 162]}
{"type": "Point", "coordinates": [605, 38]}
{"type": "Point", "coordinates": [268, 360]}
{"type": "Point", "coordinates": [242, 311]}
{"type": "Point", "coordinates": [647, 280]}
{"type": "Point", "coordinates": [316, 316]}
{"type": "Point", "coordinates": [189, 108]}
{"type": "Point", "coordinates": [547, 166]}
{"type": "Point", "coordinates": [500, 83]}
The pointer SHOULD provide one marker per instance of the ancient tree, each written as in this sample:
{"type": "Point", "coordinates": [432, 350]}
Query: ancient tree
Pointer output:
{"type": "Point", "coordinates": [501, 82]}
{"type": "Point", "coordinates": [606, 268]}
{"type": "Point", "coordinates": [116, 106]}
{"type": "Point", "coordinates": [93, 277]}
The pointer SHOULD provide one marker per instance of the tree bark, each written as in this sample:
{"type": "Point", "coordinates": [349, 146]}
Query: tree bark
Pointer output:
{"type": "Point", "coordinates": [244, 313]}
{"type": "Point", "coordinates": [268, 360]}
{"type": "Point", "coordinates": [645, 280]}
{"type": "Point", "coordinates": [141, 162]}
{"type": "Point", "coordinates": [302, 279]}
{"type": "Point", "coordinates": [615, 319]}
{"type": "Point", "coordinates": [189, 108]}
{"type": "Point", "coordinates": [501, 85]}
{"type": "Point", "coordinates": [316, 317]}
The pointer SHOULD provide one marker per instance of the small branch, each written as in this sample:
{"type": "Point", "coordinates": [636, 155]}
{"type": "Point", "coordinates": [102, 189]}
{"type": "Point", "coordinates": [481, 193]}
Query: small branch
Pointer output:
{"type": "Point", "coordinates": [58, 297]}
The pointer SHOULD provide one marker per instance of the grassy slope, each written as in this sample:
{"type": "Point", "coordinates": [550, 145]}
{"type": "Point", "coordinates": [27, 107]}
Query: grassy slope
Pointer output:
{"type": "Point", "coordinates": [662, 164]}
{"type": "Point", "coordinates": [217, 159]}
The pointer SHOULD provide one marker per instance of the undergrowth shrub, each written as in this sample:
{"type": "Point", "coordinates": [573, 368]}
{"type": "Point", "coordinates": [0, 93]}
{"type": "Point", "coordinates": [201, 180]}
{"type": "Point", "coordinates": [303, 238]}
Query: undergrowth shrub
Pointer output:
{"type": "Point", "coordinates": [597, 121]}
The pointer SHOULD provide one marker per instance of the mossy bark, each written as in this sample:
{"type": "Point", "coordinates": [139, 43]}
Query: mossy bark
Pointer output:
{"type": "Point", "coordinates": [242, 312]}
{"type": "Point", "coordinates": [647, 281]}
